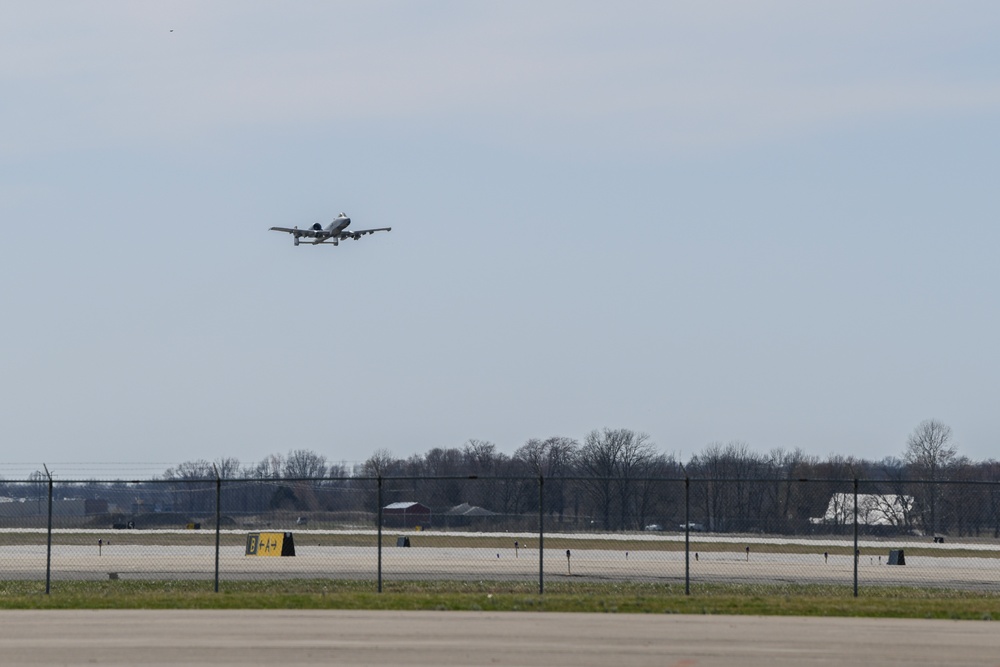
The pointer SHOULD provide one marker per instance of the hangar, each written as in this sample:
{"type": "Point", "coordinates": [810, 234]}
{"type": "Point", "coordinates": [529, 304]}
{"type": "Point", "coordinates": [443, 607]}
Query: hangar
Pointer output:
{"type": "Point", "coordinates": [885, 510]}
{"type": "Point", "coordinates": [406, 515]}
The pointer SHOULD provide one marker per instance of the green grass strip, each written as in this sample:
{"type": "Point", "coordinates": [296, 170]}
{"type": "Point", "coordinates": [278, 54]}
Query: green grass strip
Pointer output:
{"type": "Point", "coordinates": [637, 598]}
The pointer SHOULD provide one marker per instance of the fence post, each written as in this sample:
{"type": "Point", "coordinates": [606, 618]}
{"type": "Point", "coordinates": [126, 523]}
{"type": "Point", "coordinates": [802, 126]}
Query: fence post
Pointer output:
{"type": "Point", "coordinates": [378, 513]}
{"type": "Point", "coordinates": [48, 548]}
{"type": "Point", "coordinates": [687, 535]}
{"type": "Point", "coordinates": [218, 524]}
{"type": "Point", "coordinates": [541, 534]}
{"type": "Point", "coordinates": [856, 554]}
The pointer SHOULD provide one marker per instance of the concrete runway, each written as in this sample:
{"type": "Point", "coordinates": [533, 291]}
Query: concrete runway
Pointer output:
{"type": "Point", "coordinates": [445, 563]}
{"type": "Point", "coordinates": [290, 638]}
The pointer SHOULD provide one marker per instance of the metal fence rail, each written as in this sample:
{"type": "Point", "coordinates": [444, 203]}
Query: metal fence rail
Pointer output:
{"type": "Point", "coordinates": [874, 536]}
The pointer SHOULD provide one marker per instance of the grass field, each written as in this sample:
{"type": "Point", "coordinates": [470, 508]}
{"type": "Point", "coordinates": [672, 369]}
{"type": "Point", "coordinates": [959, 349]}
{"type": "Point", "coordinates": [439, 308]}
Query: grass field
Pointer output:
{"type": "Point", "coordinates": [806, 600]}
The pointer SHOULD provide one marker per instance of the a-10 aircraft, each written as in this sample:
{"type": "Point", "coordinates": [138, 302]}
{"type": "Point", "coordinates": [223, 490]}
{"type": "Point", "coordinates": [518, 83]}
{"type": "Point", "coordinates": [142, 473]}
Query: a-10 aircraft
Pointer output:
{"type": "Point", "coordinates": [333, 233]}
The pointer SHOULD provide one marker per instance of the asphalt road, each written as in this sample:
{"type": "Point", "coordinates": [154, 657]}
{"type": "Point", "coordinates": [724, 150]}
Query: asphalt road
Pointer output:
{"type": "Point", "coordinates": [287, 638]}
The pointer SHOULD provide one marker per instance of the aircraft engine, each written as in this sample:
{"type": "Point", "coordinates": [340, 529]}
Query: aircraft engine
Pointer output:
{"type": "Point", "coordinates": [317, 227]}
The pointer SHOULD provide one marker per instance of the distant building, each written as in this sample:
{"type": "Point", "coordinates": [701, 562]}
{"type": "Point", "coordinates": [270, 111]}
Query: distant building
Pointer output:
{"type": "Point", "coordinates": [464, 515]}
{"type": "Point", "coordinates": [887, 510]}
{"type": "Point", "coordinates": [406, 515]}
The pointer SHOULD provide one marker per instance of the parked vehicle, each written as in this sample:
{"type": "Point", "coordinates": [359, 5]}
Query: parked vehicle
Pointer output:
{"type": "Point", "coordinates": [693, 527]}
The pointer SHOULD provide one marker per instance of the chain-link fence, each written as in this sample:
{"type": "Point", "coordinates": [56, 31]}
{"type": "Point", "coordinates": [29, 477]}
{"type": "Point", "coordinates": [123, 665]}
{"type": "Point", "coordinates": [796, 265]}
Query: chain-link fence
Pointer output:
{"type": "Point", "coordinates": [875, 537]}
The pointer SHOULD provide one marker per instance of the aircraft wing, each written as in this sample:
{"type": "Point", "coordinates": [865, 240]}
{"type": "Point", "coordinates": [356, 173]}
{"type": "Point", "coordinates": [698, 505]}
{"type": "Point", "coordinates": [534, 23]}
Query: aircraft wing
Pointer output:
{"type": "Point", "coordinates": [361, 232]}
{"type": "Point", "coordinates": [297, 232]}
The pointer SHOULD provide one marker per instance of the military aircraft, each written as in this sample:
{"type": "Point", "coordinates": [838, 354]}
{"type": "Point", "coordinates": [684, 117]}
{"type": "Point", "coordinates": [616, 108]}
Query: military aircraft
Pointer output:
{"type": "Point", "coordinates": [333, 233]}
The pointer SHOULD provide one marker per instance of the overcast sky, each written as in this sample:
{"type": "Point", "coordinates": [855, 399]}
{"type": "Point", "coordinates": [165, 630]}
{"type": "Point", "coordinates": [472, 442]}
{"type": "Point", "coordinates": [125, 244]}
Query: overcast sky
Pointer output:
{"type": "Point", "coordinates": [773, 222]}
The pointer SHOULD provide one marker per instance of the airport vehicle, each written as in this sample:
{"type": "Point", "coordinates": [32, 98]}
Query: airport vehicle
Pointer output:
{"type": "Point", "coordinates": [333, 233]}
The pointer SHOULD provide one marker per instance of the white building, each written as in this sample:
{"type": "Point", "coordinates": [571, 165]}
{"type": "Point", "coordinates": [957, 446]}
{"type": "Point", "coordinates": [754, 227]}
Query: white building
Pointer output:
{"type": "Point", "coordinates": [873, 510]}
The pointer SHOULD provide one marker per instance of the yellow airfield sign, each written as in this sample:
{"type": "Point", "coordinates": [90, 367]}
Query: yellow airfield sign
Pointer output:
{"type": "Point", "coordinates": [270, 544]}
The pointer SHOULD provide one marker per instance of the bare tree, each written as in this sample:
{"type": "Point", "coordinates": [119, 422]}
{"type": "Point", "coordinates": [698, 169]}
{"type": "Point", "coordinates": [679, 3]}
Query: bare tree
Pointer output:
{"type": "Point", "coordinates": [930, 452]}
{"type": "Point", "coordinates": [480, 457]}
{"type": "Point", "coordinates": [269, 467]}
{"type": "Point", "coordinates": [638, 455]}
{"type": "Point", "coordinates": [783, 496]}
{"type": "Point", "coordinates": [191, 470]}
{"type": "Point", "coordinates": [598, 459]}
{"type": "Point", "coordinates": [612, 459]}
{"type": "Point", "coordinates": [513, 494]}
{"type": "Point", "coordinates": [929, 448]}
{"type": "Point", "coordinates": [307, 467]}
{"type": "Point", "coordinates": [447, 466]}
{"type": "Point", "coordinates": [303, 463]}
{"type": "Point", "coordinates": [338, 470]}
{"type": "Point", "coordinates": [736, 503]}
{"type": "Point", "coordinates": [379, 464]}
{"type": "Point", "coordinates": [193, 493]}
{"type": "Point", "coordinates": [552, 459]}
{"type": "Point", "coordinates": [227, 467]}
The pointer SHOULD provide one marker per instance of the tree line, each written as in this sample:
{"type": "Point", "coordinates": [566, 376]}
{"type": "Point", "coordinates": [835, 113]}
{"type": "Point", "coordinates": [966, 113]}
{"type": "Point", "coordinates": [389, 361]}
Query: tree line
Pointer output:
{"type": "Point", "coordinates": [610, 481]}
{"type": "Point", "coordinates": [613, 480]}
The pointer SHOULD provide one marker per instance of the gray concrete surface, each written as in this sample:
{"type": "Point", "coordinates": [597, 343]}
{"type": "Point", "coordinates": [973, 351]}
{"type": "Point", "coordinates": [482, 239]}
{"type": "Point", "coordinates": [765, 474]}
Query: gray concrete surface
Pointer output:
{"type": "Point", "coordinates": [185, 562]}
{"type": "Point", "coordinates": [153, 554]}
{"type": "Point", "coordinates": [288, 638]}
